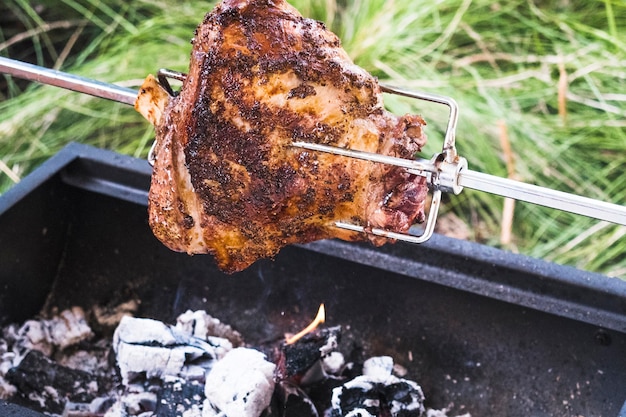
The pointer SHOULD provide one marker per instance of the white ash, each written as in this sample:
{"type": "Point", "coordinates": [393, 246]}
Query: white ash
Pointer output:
{"type": "Point", "coordinates": [66, 329]}
{"type": "Point", "coordinates": [333, 363]}
{"type": "Point", "coordinates": [69, 328]}
{"type": "Point", "coordinates": [151, 361]}
{"type": "Point", "coordinates": [443, 413]}
{"type": "Point", "coordinates": [47, 336]}
{"type": "Point", "coordinates": [133, 404]}
{"type": "Point", "coordinates": [202, 325]}
{"type": "Point", "coordinates": [86, 361]}
{"type": "Point", "coordinates": [110, 317]}
{"type": "Point", "coordinates": [241, 385]}
{"type": "Point", "coordinates": [6, 362]}
{"type": "Point", "coordinates": [330, 345]}
{"type": "Point", "coordinates": [152, 348]}
{"type": "Point", "coordinates": [378, 369]}
{"type": "Point", "coordinates": [237, 381]}
{"type": "Point", "coordinates": [362, 395]}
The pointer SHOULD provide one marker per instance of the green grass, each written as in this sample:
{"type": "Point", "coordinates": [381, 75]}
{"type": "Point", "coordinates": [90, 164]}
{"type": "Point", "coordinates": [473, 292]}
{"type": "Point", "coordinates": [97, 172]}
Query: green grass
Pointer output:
{"type": "Point", "coordinates": [549, 73]}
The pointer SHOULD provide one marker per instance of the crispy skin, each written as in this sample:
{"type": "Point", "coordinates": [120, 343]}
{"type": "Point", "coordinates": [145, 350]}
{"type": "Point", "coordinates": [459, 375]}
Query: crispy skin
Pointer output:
{"type": "Point", "coordinates": [226, 180]}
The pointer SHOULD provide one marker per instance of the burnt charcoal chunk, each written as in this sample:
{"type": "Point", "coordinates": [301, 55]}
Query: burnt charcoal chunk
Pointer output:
{"type": "Point", "coordinates": [321, 392]}
{"type": "Point", "coordinates": [177, 397]}
{"type": "Point", "coordinates": [364, 397]}
{"type": "Point", "coordinates": [38, 377]}
{"type": "Point", "coordinates": [294, 402]}
{"type": "Point", "coordinates": [299, 407]}
{"type": "Point", "coordinates": [297, 358]}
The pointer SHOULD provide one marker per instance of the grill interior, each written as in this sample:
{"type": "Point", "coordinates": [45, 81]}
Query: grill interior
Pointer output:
{"type": "Point", "coordinates": [493, 332]}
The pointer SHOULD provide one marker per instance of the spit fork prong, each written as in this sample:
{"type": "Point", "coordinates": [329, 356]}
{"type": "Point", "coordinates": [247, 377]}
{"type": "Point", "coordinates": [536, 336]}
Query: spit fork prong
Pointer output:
{"type": "Point", "coordinates": [442, 171]}
{"type": "Point", "coordinates": [448, 172]}
{"type": "Point", "coordinates": [163, 75]}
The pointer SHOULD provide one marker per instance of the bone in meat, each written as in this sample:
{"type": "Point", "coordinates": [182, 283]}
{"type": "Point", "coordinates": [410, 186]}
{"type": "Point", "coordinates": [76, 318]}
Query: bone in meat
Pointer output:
{"type": "Point", "coordinates": [226, 180]}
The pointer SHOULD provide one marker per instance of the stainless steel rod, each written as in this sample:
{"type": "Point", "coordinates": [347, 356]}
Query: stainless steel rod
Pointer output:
{"type": "Point", "coordinates": [495, 185]}
{"type": "Point", "coordinates": [467, 178]}
{"type": "Point", "coordinates": [543, 196]}
{"type": "Point", "coordinates": [416, 166]}
{"type": "Point", "coordinates": [68, 81]}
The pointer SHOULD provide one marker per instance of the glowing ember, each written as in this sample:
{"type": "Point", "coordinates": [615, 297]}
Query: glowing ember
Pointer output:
{"type": "Point", "coordinates": [319, 319]}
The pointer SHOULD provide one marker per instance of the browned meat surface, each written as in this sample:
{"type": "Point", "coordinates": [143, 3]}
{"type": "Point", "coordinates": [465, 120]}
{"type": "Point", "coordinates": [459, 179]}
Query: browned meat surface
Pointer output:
{"type": "Point", "coordinates": [226, 180]}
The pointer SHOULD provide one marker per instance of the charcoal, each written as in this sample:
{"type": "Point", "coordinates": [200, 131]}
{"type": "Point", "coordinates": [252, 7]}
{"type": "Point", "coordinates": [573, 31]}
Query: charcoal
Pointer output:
{"type": "Point", "coordinates": [186, 370]}
{"type": "Point", "coordinates": [321, 392]}
{"type": "Point", "coordinates": [150, 348]}
{"type": "Point", "coordinates": [96, 408]}
{"type": "Point", "coordinates": [241, 384]}
{"type": "Point", "coordinates": [134, 404]}
{"type": "Point", "coordinates": [101, 404]}
{"type": "Point", "coordinates": [378, 392]}
{"type": "Point", "coordinates": [202, 325]}
{"type": "Point", "coordinates": [178, 397]}
{"type": "Point", "coordinates": [293, 401]}
{"type": "Point", "coordinates": [51, 384]}
{"type": "Point", "coordinates": [76, 410]}
{"type": "Point", "coordinates": [66, 329]}
{"type": "Point", "coordinates": [297, 358]}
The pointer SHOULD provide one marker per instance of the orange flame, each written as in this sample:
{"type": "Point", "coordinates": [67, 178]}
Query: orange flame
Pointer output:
{"type": "Point", "coordinates": [320, 318]}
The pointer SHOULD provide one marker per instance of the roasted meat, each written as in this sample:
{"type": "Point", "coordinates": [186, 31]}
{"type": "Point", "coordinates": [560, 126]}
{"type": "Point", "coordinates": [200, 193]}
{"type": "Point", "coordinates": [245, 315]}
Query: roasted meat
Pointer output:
{"type": "Point", "coordinates": [226, 180]}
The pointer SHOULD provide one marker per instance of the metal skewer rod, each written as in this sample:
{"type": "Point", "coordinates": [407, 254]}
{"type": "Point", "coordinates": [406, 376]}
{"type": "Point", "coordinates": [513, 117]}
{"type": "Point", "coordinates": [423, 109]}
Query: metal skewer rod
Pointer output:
{"type": "Point", "coordinates": [461, 177]}
{"type": "Point", "coordinates": [417, 166]}
{"type": "Point", "coordinates": [542, 196]}
{"type": "Point", "coordinates": [67, 81]}
{"type": "Point", "coordinates": [504, 187]}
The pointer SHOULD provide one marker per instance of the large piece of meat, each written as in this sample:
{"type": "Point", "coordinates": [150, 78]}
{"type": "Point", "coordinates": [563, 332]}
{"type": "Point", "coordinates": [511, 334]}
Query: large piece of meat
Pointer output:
{"type": "Point", "coordinates": [226, 180]}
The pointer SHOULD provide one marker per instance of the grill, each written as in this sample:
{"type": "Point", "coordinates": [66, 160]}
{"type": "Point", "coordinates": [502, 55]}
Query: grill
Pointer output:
{"type": "Point", "coordinates": [499, 333]}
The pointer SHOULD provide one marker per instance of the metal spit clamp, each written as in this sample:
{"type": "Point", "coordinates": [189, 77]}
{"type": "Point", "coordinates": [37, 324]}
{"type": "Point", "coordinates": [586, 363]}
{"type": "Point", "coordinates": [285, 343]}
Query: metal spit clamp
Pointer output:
{"type": "Point", "coordinates": [442, 171]}
{"type": "Point", "coordinates": [447, 174]}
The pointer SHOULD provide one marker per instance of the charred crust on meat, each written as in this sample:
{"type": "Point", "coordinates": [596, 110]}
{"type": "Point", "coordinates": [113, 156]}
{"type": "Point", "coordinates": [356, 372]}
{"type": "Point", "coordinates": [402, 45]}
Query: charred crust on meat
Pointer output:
{"type": "Point", "coordinates": [302, 91]}
{"type": "Point", "coordinates": [188, 221]}
{"type": "Point", "coordinates": [227, 180]}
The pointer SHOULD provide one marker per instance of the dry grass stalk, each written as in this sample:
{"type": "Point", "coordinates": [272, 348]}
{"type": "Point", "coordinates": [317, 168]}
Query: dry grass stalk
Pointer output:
{"type": "Point", "coordinates": [562, 92]}
{"type": "Point", "coordinates": [47, 27]}
{"type": "Point", "coordinates": [9, 172]}
{"type": "Point", "coordinates": [508, 210]}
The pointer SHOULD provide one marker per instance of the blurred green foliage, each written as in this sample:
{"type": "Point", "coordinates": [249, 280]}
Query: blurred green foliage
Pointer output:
{"type": "Point", "coordinates": [546, 77]}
